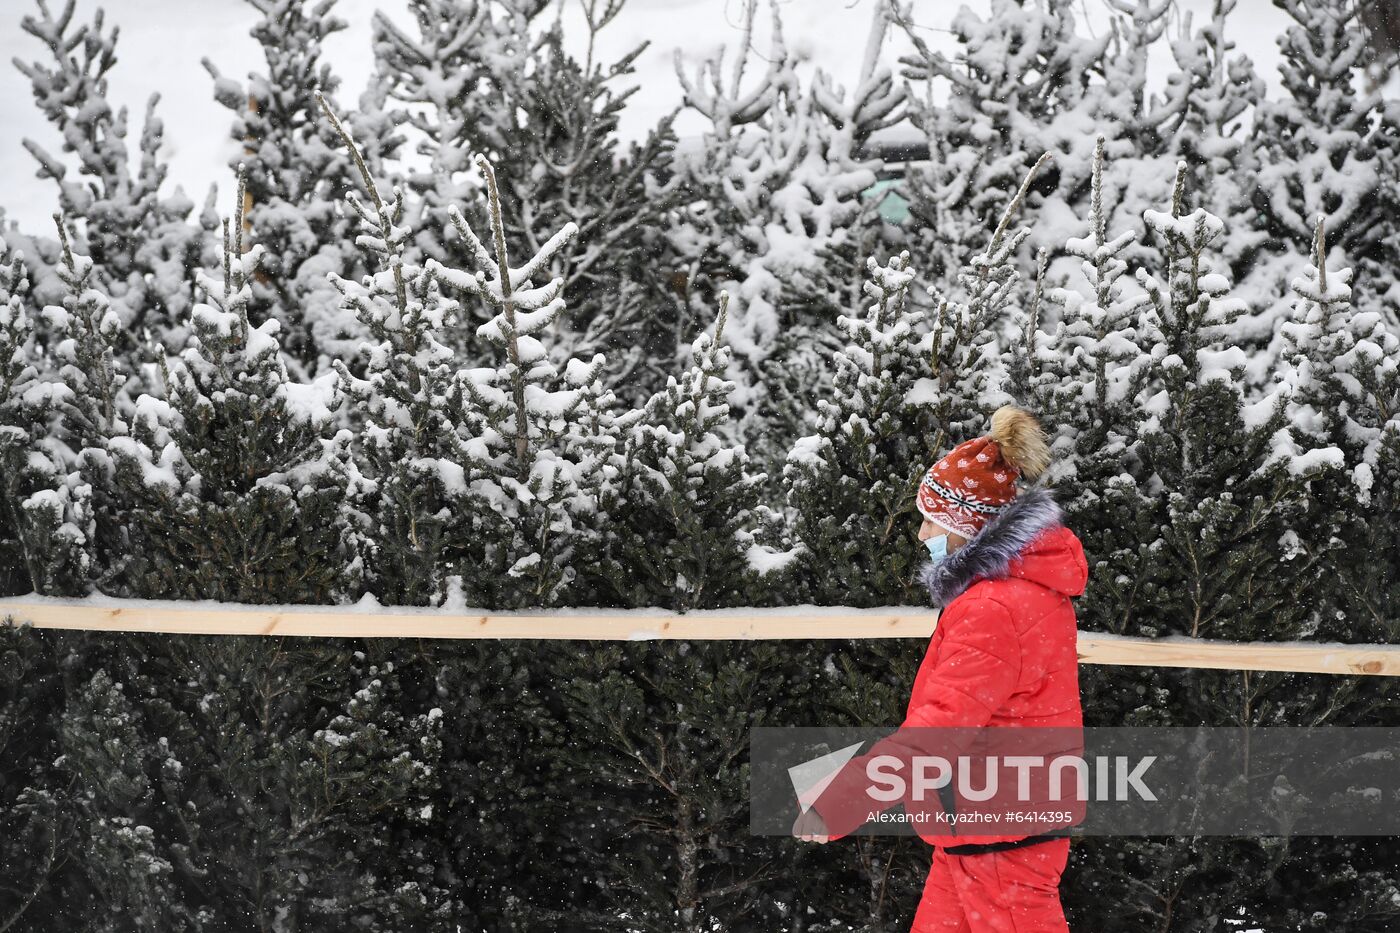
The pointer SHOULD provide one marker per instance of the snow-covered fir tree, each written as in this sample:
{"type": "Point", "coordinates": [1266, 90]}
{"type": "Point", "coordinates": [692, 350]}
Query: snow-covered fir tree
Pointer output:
{"type": "Point", "coordinates": [852, 484]}
{"type": "Point", "coordinates": [1323, 150]}
{"type": "Point", "coordinates": [298, 176]}
{"type": "Point", "coordinates": [495, 471]}
{"type": "Point", "coordinates": [1086, 363]}
{"type": "Point", "coordinates": [902, 395]}
{"type": "Point", "coordinates": [482, 77]}
{"type": "Point", "coordinates": [1023, 82]}
{"type": "Point", "coordinates": [1341, 372]}
{"type": "Point", "coordinates": [419, 509]}
{"type": "Point", "coordinates": [1138, 25]}
{"type": "Point", "coordinates": [1132, 117]}
{"type": "Point", "coordinates": [136, 234]}
{"type": "Point", "coordinates": [234, 481]}
{"type": "Point", "coordinates": [770, 195]}
{"type": "Point", "coordinates": [1320, 341]}
{"type": "Point", "coordinates": [977, 337]}
{"type": "Point", "coordinates": [685, 497]}
{"type": "Point", "coordinates": [547, 438]}
{"type": "Point", "coordinates": [83, 333]}
{"type": "Point", "coordinates": [41, 549]}
{"type": "Point", "coordinates": [562, 161]}
{"type": "Point", "coordinates": [815, 291]}
{"type": "Point", "coordinates": [1204, 113]}
{"type": "Point", "coordinates": [1214, 465]}
{"type": "Point", "coordinates": [450, 80]}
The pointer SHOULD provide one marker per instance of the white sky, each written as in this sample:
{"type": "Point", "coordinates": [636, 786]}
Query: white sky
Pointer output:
{"type": "Point", "coordinates": [163, 41]}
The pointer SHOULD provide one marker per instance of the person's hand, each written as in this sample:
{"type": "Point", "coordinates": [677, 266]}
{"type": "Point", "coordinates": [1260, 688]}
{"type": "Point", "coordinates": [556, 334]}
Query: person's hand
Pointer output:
{"type": "Point", "coordinates": [810, 828]}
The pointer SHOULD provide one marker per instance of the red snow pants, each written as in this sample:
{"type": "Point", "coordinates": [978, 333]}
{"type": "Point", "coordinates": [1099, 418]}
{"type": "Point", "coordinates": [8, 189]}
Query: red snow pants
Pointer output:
{"type": "Point", "coordinates": [1008, 891]}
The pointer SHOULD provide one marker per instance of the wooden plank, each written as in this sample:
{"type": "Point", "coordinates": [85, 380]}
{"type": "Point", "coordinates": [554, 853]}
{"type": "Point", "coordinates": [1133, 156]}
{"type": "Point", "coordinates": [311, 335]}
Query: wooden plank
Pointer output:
{"type": "Point", "coordinates": [811, 622]}
{"type": "Point", "coordinates": [1296, 657]}
{"type": "Point", "coordinates": [805, 622]}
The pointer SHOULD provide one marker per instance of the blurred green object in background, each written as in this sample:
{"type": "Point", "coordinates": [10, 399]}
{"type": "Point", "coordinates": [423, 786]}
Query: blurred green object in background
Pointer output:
{"type": "Point", "coordinates": [893, 206]}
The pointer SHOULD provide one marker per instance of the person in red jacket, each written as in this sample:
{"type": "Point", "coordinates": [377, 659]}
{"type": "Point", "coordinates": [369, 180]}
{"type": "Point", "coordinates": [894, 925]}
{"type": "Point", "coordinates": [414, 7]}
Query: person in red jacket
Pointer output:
{"type": "Point", "coordinates": [1003, 653]}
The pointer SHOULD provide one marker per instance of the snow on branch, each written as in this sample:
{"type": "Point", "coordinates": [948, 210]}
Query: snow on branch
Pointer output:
{"type": "Point", "coordinates": [729, 107]}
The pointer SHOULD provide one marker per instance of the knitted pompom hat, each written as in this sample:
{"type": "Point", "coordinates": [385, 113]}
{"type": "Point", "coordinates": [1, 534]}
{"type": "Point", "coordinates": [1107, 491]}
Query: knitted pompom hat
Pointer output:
{"type": "Point", "coordinates": [965, 490]}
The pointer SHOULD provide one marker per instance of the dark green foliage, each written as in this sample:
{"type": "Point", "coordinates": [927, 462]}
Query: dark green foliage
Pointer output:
{"type": "Point", "coordinates": [290, 811]}
{"type": "Point", "coordinates": [39, 824]}
{"type": "Point", "coordinates": [660, 738]}
{"type": "Point", "coordinates": [510, 839]}
{"type": "Point", "coordinates": [1350, 885]}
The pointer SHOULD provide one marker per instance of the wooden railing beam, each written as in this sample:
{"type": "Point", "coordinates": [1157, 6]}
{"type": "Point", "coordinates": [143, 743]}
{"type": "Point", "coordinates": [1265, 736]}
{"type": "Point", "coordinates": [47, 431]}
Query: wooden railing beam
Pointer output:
{"type": "Point", "coordinates": [799, 622]}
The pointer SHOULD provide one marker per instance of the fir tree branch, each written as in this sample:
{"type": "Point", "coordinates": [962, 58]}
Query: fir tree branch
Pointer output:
{"type": "Point", "coordinates": [386, 225]}
{"type": "Point", "coordinates": [522, 430]}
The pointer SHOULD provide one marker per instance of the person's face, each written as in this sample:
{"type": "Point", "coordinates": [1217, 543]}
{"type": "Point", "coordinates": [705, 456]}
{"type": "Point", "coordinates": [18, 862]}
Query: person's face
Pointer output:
{"type": "Point", "coordinates": [929, 530]}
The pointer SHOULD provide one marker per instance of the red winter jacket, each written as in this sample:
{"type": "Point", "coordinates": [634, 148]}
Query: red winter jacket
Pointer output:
{"type": "Point", "coordinates": [1003, 651]}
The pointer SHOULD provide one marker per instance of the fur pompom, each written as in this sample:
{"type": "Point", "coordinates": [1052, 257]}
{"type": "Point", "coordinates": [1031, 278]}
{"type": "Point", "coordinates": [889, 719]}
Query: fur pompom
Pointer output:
{"type": "Point", "coordinates": [1022, 442]}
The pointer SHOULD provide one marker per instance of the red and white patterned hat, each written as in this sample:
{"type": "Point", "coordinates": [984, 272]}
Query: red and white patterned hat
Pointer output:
{"type": "Point", "coordinates": [968, 487]}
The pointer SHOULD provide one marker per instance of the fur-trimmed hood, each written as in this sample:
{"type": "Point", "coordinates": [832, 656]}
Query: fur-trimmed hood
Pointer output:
{"type": "Point", "coordinates": [1013, 544]}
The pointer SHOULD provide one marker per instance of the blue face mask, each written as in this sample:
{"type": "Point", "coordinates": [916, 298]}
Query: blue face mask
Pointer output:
{"type": "Point", "coordinates": [937, 547]}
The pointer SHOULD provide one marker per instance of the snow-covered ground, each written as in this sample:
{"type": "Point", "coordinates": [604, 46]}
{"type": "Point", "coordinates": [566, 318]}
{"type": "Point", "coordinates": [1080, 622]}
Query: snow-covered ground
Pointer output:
{"type": "Point", "coordinates": [163, 41]}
